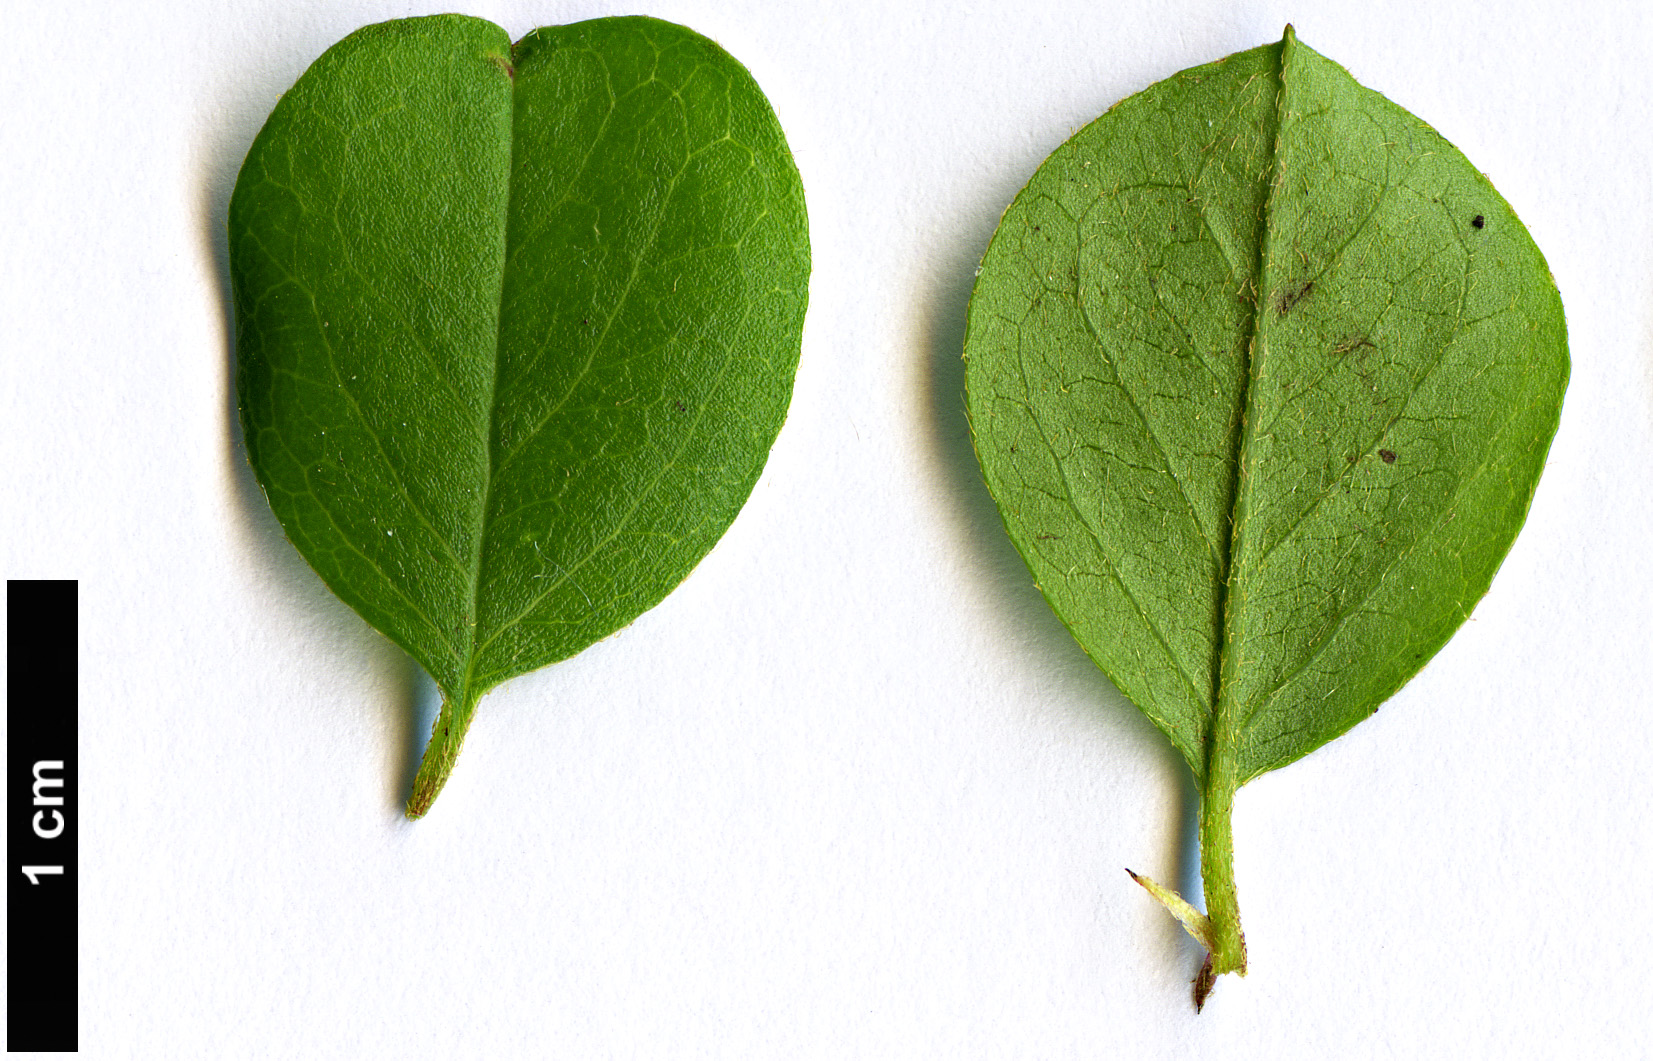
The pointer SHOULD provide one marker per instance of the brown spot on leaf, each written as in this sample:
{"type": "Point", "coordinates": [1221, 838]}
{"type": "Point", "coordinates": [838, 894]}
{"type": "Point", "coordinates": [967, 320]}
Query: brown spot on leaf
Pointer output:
{"type": "Point", "coordinates": [1291, 295]}
{"type": "Point", "coordinates": [1388, 455]}
{"type": "Point", "coordinates": [1479, 222]}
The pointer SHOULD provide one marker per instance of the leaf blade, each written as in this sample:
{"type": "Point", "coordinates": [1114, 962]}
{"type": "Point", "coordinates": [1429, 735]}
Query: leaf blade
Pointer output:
{"type": "Point", "coordinates": [1129, 313]}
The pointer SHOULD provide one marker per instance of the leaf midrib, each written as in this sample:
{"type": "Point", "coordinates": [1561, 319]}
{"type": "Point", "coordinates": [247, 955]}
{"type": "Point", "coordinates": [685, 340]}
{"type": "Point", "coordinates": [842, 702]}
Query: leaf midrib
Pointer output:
{"type": "Point", "coordinates": [1248, 419]}
{"type": "Point", "coordinates": [463, 696]}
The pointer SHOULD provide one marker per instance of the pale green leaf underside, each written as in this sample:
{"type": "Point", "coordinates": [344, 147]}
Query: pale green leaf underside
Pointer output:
{"type": "Point", "coordinates": [516, 327]}
{"type": "Point", "coordinates": [1262, 374]}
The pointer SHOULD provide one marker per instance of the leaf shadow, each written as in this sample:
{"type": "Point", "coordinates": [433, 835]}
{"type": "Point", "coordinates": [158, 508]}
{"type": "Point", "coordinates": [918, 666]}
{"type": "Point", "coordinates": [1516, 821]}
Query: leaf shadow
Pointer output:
{"type": "Point", "coordinates": [220, 150]}
{"type": "Point", "coordinates": [981, 536]}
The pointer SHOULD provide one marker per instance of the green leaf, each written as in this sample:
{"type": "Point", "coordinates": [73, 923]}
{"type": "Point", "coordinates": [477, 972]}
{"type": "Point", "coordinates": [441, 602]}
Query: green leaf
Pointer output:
{"type": "Point", "coordinates": [1261, 373]}
{"type": "Point", "coordinates": [516, 328]}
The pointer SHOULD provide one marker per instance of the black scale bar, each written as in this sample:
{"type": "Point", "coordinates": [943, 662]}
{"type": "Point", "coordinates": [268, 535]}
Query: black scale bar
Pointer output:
{"type": "Point", "coordinates": [42, 803]}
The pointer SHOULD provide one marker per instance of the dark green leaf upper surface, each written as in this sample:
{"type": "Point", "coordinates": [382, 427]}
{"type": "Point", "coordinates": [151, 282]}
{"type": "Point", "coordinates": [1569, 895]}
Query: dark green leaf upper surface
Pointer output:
{"type": "Point", "coordinates": [1262, 374]}
{"type": "Point", "coordinates": [516, 326]}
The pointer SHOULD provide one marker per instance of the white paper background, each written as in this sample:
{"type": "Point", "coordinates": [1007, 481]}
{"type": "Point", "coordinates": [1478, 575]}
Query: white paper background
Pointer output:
{"type": "Point", "coordinates": [851, 791]}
